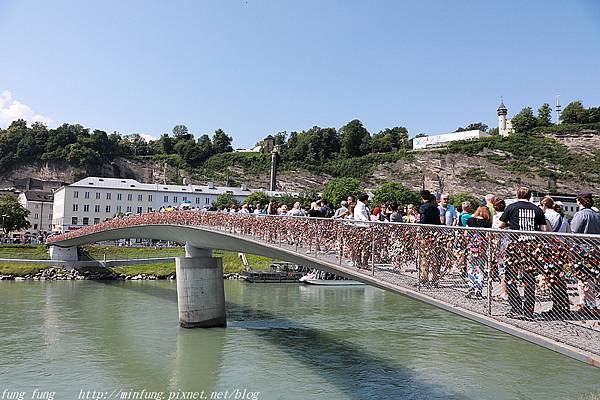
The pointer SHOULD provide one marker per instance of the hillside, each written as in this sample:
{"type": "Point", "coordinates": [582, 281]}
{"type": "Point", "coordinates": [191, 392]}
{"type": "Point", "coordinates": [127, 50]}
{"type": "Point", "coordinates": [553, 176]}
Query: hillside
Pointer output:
{"type": "Point", "coordinates": [564, 158]}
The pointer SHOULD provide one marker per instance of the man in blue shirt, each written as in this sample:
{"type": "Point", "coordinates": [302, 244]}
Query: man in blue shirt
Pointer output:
{"type": "Point", "coordinates": [448, 214]}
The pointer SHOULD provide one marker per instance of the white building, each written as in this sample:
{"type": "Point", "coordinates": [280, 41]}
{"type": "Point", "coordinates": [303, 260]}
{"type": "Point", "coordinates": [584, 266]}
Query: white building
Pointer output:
{"type": "Point", "coordinates": [504, 125]}
{"type": "Point", "coordinates": [93, 200]}
{"type": "Point", "coordinates": [40, 206]}
{"type": "Point", "coordinates": [442, 140]}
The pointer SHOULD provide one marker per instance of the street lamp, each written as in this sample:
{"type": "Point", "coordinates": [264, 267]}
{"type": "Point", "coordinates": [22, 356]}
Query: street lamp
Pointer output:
{"type": "Point", "coordinates": [2, 230]}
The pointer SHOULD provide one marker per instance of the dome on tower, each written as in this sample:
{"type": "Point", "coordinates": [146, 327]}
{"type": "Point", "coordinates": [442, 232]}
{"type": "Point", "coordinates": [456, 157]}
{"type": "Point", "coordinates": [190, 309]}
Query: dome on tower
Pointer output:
{"type": "Point", "coordinates": [502, 110]}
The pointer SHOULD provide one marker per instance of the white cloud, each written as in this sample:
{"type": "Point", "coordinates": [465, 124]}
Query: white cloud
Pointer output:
{"type": "Point", "coordinates": [12, 110]}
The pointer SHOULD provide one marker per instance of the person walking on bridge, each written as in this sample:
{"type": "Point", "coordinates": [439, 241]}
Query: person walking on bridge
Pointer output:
{"type": "Point", "coordinates": [522, 215]}
{"type": "Point", "coordinates": [429, 214]}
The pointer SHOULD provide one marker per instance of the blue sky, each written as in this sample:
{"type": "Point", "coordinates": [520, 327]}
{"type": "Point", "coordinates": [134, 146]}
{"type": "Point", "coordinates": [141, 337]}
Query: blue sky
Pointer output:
{"type": "Point", "coordinates": [257, 67]}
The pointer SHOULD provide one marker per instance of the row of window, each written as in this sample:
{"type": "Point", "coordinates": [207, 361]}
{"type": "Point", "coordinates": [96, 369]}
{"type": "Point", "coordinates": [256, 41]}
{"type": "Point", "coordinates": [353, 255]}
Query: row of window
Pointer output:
{"type": "Point", "coordinates": [140, 197]}
{"type": "Point", "coordinates": [107, 209]}
{"type": "Point", "coordinates": [84, 221]}
{"type": "Point", "coordinates": [37, 216]}
{"type": "Point", "coordinates": [35, 227]}
{"type": "Point", "coordinates": [86, 195]}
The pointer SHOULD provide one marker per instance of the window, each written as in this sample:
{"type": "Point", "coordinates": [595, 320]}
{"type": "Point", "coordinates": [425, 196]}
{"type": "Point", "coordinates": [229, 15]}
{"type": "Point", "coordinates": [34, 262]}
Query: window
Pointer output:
{"type": "Point", "coordinates": [140, 197]}
{"type": "Point", "coordinates": [107, 209]}
{"type": "Point", "coordinates": [73, 220]}
{"type": "Point", "coordinates": [97, 208]}
{"type": "Point", "coordinates": [97, 195]}
{"type": "Point", "coordinates": [206, 200]}
{"type": "Point", "coordinates": [118, 209]}
{"type": "Point", "coordinates": [86, 208]}
{"type": "Point", "coordinates": [174, 199]}
{"type": "Point", "coordinates": [86, 195]}
{"type": "Point", "coordinates": [149, 197]}
{"type": "Point", "coordinates": [36, 216]}
{"type": "Point", "coordinates": [75, 207]}
{"type": "Point", "coordinates": [166, 199]}
{"type": "Point", "coordinates": [184, 198]}
{"type": "Point", "coordinates": [108, 196]}
{"type": "Point", "coordinates": [76, 194]}
{"type": "Point", "coordinates": [197, 200]}
{"type": "Point", "coordinates": [35, 227]}
{"type": "Point", "coordinates": [96, 221]}
{"type": "Point", "coordinates": [149, 209]}
{"type": "Point", "coordinates": [86, 221]}
{"type": "Point", "coordinates": [128, 209]}
{"type": "Point", "coordinates": [49, 217]}
{"type": "Point", "coordinates": [129, 197]}
{"type": "Point", "coordinates": [119, 196]}
{"type": "Point", "coordinates": [139, 210]}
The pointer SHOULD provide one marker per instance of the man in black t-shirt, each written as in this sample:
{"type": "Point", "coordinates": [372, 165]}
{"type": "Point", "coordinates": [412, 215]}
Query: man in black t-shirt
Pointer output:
{"type": "Point", "coordinates": [429, 241]}
{"type": "Point", "coordinates": [522, 216]}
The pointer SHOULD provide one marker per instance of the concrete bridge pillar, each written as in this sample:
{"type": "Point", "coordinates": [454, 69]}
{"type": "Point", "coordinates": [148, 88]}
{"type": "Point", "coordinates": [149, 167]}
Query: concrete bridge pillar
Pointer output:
{"type": "Point", "coordinates": [63, 253]}
{"type": "Point", "coordinates": [200, 289]}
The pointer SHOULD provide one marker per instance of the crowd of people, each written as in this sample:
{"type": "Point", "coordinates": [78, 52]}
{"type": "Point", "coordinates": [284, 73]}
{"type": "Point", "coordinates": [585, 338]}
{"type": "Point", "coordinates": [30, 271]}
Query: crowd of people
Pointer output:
{"type": "Point", "coordinates": [513, 257]}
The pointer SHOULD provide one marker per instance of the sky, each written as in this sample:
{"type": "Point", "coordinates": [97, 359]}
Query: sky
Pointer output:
{"type": "Point", "coordinates": [254, 68]}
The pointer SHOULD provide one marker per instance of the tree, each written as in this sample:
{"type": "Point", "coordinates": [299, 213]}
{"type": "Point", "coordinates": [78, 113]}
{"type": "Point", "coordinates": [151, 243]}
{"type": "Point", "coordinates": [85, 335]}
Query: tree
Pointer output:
{"type": "Point", "coordinates": [395, 192]}
{"type": "Point", "coordinates": [221, 142]}
{"type": "Point", "coordinates": [390, 139]}
{"type": "Point", "coordinates": [181, 132]}
{"type": "Point", "coordinates": [15, 215]}
{"type": "Point", "coordinates": [574, 113]}
{"type": "Point", "coordinates": [355, 139]}
{"type": "Point", "coordinates": [225, 200]}
{"type": "Point", "coordinates": [339, 189]}
{"type": "Point", "coordinates": [257, 197]}
{"type": "Point", "coordinates": [524, 121]}
{"type": "Point", "coordinates": [204, 148]}
{"type": "Point", "coordinates": [82, 156]}
{"type": "Point", "coordinates": [474, 126]}
{"type": "Point", "coordinates": [457, 199]}
{"type": "Point", "coordinates": [166, 145]}
{"type": "Point", "coordinates": [544, 115]}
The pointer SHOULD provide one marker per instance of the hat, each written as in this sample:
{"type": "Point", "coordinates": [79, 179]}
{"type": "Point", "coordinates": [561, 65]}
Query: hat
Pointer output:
{"type": "Point", "coordinates": [583, 195]}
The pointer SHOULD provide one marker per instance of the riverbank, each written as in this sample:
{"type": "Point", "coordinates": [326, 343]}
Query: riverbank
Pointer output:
{"type": "Point", "coordinates": [232, 264]}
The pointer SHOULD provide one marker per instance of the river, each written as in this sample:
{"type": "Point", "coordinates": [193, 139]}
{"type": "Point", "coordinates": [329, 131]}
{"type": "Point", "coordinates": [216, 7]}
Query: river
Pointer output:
{"type": "Point", "coordinates": [282, 342]}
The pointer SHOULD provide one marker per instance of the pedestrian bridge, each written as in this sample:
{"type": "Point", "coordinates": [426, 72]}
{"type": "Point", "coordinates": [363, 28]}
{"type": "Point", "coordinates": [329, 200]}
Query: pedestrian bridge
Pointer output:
{"type": "Point", "coordinates": [426, 263]}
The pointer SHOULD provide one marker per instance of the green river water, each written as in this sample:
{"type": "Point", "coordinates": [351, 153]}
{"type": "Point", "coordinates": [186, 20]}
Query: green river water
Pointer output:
{"type": "Point", "coordinates": [122, 339]}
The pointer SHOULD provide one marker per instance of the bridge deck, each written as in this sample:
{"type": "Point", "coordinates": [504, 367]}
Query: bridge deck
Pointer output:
{"type": "Point", "coordinates": [389, 256]}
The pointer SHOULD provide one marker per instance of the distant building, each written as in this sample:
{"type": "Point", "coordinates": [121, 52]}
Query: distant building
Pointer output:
{"type": "Point", "coordinates": [40, 206]}
{"type": "Point", "coordinates": [93, 200]}
{"type": "Point", "coordinates": [442, 140]}
{"type": "Point", "coordinates": [504, 125]}
{"type": "Point", "coordinates": [267, 145]}
{"type": "Point", "coordinates": [568, 201]}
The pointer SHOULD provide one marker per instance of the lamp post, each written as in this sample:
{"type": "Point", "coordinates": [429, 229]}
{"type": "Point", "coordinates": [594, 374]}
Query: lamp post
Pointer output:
{"type": "Point", "coordinates": [2, 230]}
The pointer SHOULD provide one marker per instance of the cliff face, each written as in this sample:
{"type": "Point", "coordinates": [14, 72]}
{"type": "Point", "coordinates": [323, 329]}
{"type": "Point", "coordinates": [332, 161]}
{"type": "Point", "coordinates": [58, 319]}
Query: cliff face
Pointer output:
{"type": "Point", "coordinates": [490, 171]}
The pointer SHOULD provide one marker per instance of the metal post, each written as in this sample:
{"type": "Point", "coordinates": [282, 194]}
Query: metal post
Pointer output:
{"type": "Point", "coordinates": [373, 250]}
{"type": "Point", "coordinates": [418, 258]}
{"type": "Point", "coordinates": [489, 273]}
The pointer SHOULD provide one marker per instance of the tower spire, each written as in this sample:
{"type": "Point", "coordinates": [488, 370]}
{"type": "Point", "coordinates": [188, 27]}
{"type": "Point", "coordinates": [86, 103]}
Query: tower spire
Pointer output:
{"type": "Point", "coordinates": [558, 110]}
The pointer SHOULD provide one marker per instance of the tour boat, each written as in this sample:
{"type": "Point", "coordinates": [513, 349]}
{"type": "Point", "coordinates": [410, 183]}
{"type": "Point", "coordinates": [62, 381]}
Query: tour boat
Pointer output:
{"type": "Point", "coordinates": [328, 279]}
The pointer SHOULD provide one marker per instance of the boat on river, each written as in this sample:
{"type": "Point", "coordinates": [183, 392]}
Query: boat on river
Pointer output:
{"type": "Point", "coordinates": [328, 279]}
{"type": "Point", "coordinates": [278, 272]}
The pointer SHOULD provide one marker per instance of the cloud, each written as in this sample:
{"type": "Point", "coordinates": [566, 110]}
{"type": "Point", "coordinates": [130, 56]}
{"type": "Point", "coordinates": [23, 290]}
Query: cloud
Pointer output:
{"type": "Point", "coordinates": [12, 110]}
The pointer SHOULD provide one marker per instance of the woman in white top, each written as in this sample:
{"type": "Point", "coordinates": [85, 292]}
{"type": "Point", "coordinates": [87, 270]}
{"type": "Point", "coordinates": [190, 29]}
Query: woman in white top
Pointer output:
{"type": "Point", "coordinates": [554, 215]}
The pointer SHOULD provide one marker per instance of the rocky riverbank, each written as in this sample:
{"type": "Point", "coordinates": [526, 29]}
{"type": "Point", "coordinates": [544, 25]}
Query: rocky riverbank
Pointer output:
{"type": "Point", "coordinates": [59, 274]}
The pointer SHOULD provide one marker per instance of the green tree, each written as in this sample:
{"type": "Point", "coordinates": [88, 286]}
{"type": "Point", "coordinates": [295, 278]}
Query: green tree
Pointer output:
{"type": "Point", "coordinates": [544, 115]}
{"type": "Point", "coordinates": [457, 199]}
{"type": "Point", "coordinates": [257, 197]}
{"type": "Point", "coordinates": [181, 132]}
{"type": "Point", "coordinates": [574, 113]}
{"type": "Point", "coordinates": [524, 121]}
{"type": "Point", "coordinates": [82, 156]}
{"type": "Point", "coordinates": [221, 142]}
{"type": "Point", "coordinates": [474, 126]}
{"type": "Point", "coordinates": [355, 139]}
{"type": "Point", "coordinates": [339, 189]}
{"type": "Point", "coordinates": [390, 139]}
{"type": "Point", "coordinates": [15, 215]}
{"type": "Point", "coordinates": [225, 200]}
{"type": "Point", "coordinates": [395, 192]}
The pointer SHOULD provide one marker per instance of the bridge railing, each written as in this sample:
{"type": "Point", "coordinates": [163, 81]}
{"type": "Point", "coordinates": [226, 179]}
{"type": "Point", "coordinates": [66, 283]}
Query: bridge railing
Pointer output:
{"type": "Point", "coordinates": [545, 283]}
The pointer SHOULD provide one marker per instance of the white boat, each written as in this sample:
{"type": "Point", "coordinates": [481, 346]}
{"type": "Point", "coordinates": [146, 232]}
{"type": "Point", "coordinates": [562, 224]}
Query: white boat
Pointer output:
{"type": "Point", "coordinates": [326, 279]}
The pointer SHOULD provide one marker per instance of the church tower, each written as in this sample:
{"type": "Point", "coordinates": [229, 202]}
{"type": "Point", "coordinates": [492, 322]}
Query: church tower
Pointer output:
{"type": "Point", "coordinates": [502, 112]}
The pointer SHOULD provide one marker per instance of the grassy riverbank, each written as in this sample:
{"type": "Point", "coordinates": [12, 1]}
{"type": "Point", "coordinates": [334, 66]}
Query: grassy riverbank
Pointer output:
{"type": "Point", "coordinates": [231, 261]}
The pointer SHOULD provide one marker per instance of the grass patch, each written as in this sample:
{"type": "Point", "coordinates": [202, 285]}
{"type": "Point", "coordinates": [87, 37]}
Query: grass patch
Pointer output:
{"type": "Point", "coordinates": [18, 269]}
{"type": "Point", "coordinates": [24, 251]}
{"type": "Point", "coordinates": [127, 253]}
{"type": "Point", "coordinates": [160, 270]}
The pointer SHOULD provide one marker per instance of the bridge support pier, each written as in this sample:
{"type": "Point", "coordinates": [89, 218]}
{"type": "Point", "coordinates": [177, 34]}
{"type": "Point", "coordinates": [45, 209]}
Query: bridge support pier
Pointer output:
{"type": "Point", "coordinates": [63, 253]}
{"type": "Point", "coordinates": [200, 289]}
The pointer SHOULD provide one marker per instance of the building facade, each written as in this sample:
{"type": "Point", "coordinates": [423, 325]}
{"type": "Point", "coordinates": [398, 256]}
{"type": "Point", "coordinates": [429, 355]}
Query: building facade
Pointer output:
{"type": "Point", "coordinates": [93, 200]}
{"type": "Point", "coordinates": [425, 142]}
{"type": "Point", "coordinates": [40, 206]}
